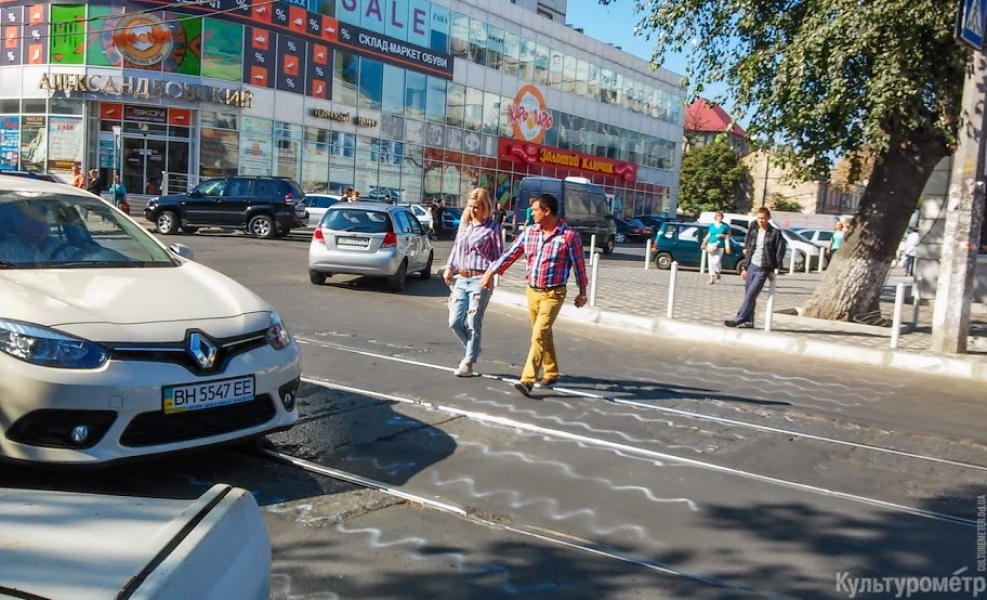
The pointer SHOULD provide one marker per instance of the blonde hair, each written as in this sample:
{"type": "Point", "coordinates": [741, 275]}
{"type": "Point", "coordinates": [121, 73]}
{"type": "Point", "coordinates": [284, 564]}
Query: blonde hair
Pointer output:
{"type": "Point", "coordinates": [482, 196]}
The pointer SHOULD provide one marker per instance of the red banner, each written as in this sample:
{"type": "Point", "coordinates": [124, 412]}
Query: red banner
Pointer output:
{"type": "Point", "coordinates": [546, 156]}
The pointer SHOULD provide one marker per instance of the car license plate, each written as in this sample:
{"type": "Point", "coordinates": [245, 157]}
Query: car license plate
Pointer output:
{"type": "Point", "coordinates": [353, 241]}
{"type": "Point", "coordinates": [209, 394]}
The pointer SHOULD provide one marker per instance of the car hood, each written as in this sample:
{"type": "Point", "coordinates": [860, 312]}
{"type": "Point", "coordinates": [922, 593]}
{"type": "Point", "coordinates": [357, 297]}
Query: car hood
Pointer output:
{"type": "Point", "coordinates": [64, 298]}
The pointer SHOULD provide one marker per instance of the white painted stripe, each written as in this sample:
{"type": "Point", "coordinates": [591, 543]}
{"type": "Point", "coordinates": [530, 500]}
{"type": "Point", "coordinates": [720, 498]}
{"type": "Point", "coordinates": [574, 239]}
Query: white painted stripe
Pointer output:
{"type": "Point", "coordinates": [672, 411]}
{"type": "Point", "coordinates": [521, 426]}
{"type": "Point", "coordinates": [552, 537]}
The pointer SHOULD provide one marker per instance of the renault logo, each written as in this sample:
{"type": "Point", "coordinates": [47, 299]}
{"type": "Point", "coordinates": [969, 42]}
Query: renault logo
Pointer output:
{"type": "Point", "coordinates": [202, 350]}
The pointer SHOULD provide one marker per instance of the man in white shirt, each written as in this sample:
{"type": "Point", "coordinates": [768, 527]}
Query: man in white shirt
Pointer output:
{"type": "Point", "coordinates": [911, 245]}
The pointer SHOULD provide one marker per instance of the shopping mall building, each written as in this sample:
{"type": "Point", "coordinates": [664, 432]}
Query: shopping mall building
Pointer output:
{"type": "Point", "coordinates": [416, 98]}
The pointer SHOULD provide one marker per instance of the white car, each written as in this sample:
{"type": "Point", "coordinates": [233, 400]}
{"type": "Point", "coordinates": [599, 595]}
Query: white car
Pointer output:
{"type": "Point", "coordinates": [89, 547]}
{"type": "Point", "coordinates": [806, 248]}
{"type": "Point", "coordinates": [423, 215]}
{"type": "Point", "coordinates": [370, 239]}
{"type": "Point", "coordinates": [114, 346]}
{"type": "Point", "coordinates": [316, 205]}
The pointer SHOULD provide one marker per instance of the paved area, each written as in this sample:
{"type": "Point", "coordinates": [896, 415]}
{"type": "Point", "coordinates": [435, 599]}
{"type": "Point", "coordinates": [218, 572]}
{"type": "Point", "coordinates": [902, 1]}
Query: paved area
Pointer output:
{"type": "Point", "coordinates": [629, 296]}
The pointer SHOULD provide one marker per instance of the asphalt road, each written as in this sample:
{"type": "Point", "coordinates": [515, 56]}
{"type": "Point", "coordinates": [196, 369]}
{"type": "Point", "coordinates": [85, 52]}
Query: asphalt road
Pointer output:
{"type": "Point", "coordinates": [655, 469]}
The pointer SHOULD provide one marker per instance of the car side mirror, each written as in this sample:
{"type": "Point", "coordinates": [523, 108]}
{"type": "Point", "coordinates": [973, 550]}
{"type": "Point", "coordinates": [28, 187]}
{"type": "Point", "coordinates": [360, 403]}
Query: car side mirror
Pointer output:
{"type": "Point", "coordinates": [182, 250]}
{"type": "Point", "coordinates": [194, 194]}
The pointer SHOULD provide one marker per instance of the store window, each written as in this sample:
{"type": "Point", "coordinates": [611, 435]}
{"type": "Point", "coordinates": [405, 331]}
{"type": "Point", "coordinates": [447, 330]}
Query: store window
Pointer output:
{"type": "Point", "coordinates": [35, 105]}
{"type": "Point", "coordinates": [495, 47]}
{"type": "Point", "coordinates": [542, 57]}
{"type": "Point", "coordinates": [526, 64]}
{"type": "Point", "coordinates": [582, 78]}
{"type": "Point", "coordinates": [414, 94]}
{"type": "Point", "coordinates": [512, 53]}
{"type": "Point", "coordinates": [474, 109]}
{"type": "Point", "coordinates": [555, 69]}
{"type": "Point", "coordinates": [478, 42]}
{"type": "Point", "coordinates": [10, 105]}
{"type": "Point", "coordinates": [371, 83]}
{"type": "Point", "coordinates": [569, 74]}
{"type": "Point", "coordinates": [459, 31]}
{"type": "Point", "coordinates": [440, 29]}
{"type": "Point", "coordinates": [435, 100]}
{"type": "Point", "coordinates": [491, 113]}
{"type": "Point", "coordinates": [393, 95]}
{"type": "Point", "coordinates": [66, 106]}
{"type": "Point", "coordinates": [345, 75]}
{"type": "Point", "coordinates": [455, 104]}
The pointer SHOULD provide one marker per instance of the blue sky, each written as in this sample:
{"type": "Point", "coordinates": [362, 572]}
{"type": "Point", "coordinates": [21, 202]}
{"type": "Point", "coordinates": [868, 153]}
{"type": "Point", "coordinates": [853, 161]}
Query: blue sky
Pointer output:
{"type": "Point", "coordinates": [614, 24]}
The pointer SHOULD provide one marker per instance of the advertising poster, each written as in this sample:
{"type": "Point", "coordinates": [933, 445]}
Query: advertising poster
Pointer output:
{"type": "Point", "coordinates": [218, 155]}
{"type": "Point", "coordinates": [258, 62]}
{"type": "Point", "coordinates": [100, 50]}
{"type": "Point", "coordinates": [34, 143]}
{"type": "Point", "coordinates": [106, 150]}
{"type": "Point", "coordinates": [68, 34]}
{"type": "Point", "coordinates": [222, 50]}
{"type": "Point", "coordinates": [10, 142]}
{"type": "Point", "coordinates": [64, 143]}
{"type": "Point", "coordinates": [185, 56]}
{"type": "Point", "coordinates": [291, 64]}
{"type": "Point", "coordinates": [319, 74]}
{"type": "Point", "coordinates": [11, 18]}
{"type": "Point", "coordinates": [35, 35]}
{"type": "Point", "coordinates": [256, 153]}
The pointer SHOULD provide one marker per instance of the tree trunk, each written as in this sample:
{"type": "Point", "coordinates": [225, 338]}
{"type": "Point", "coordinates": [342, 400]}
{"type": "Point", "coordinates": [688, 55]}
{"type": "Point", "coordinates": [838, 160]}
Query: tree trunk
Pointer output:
{"type": "Point", "coordinates": [851, 288]}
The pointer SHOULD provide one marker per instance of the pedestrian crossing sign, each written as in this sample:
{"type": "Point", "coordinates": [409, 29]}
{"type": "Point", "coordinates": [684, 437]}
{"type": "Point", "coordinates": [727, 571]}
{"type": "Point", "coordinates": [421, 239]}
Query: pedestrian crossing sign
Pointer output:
{"type": "Point", "coordinates": [970, 22]}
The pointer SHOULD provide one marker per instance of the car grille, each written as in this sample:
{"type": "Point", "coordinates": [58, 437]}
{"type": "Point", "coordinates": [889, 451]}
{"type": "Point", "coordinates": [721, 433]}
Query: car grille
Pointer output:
{"type": "Point", "coordinates": [177, 352]}
{"type": "Point", "coordinates": [154, 428]}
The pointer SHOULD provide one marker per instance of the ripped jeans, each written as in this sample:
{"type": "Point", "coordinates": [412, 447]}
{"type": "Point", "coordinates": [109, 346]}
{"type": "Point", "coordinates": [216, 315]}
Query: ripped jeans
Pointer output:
{"type": "Point", "coordinates": [467, 303]}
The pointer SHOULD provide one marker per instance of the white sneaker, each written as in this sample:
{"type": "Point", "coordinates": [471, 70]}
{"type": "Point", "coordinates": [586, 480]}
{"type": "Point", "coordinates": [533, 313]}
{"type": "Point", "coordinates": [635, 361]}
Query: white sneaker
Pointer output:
{"type": "Point", "coordinates": [465, 370]}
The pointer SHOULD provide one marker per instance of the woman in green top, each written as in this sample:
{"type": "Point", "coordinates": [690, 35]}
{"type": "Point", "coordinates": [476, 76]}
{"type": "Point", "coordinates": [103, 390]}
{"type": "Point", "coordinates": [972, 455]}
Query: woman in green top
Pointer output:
{"type": "Point", "coordinates": [837, 240]}
{"type": "Point", "coordinates": [717, 238]}
{"type": "Point", "coordinates": [117, 191]}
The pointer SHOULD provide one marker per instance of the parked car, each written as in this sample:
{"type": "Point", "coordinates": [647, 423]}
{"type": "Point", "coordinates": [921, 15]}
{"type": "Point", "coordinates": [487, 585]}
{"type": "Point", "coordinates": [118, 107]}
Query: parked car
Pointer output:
{"type": "Point", "coordinates": [113, 346]}
{"type": "Point", "coordinates": [317, 204]}
{"type": "Point", "coordinates": [451, 217]}
{"type": "Point", "coordinates": [810, 251]}
{"type": "Point", "coordinates": [371, 239]}
{"type": "Point", "coordinates": [264, 207]}
{"type": "Point", "coordinates": [653, 221]}
{"type": "Point", "coordinates": [819, 237]}
{"type": "Point", "coordinates": [796, 248]}
{"type": "Point", "coordinates": [423, 215]}
{"type": "Point", "coordinates": [682, 243]}
{"type": "Point", "coordinates": [582, 205]}
{"type": "Point", "coordinates": [211, 548]}
{"type": "Point", "coordinates": [631, 230]}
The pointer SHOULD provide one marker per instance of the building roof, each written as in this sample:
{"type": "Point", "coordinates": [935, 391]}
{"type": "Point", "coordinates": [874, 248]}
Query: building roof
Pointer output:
{"type": "Point", "coordinates": [704, 115]}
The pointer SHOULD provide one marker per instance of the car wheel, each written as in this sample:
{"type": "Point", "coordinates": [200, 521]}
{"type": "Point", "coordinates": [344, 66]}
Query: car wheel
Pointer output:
{"type": "Point", "coordinates": [608, 248]}
{"type": "Point", "coordinates": [317, 278]}
{"type": "Point", "coordinates": [739, 267]}
{"type": "Point", "coordinates": [189, 230]}
{"type": "Point", "coordinates": [663, 260]}
{"type": "Point", "coordinates": [396, 281]}
{"type": "Point", "coordinates": [167, 223]}
{"type": "Point", "coordinates": [426, 273]}
{"type": "Point", "coordinates": [262, 226]}
{"type": "Point", "coordinates": [621, 238]}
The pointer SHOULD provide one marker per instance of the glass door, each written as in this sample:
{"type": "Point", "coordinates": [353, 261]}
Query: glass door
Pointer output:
{"type": "Point", "coordinates": [144, 163]}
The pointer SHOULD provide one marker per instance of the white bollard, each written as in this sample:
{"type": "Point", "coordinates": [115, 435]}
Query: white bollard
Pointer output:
{"type": "Point", "coordinates": [702, 261]}
{"type": "Point", "coordinates": [808, 259]}
{"type": "Point", "coordinates": [899, 303]}
{"type": "Point", "coordinates": [916, 303]}
{"type": "Point", "coordinates": [822, 255]}
{"type": "Point", "coordinates": [503, 236]}
{"type": "Point", "coordinates": [791, 265]}
{"type": "Point", "coordinates": [594, 273]}
{"type": "Point", "coordinates": [671, 289]}
{"type": "Point", "coordinates": [592, 245]}
{"type": "Point", "coordinates": [496, 280]}
{"type": "Point", "coordinates": [769, 310]}
{"type": "Point", "coordinates": [647, 254]}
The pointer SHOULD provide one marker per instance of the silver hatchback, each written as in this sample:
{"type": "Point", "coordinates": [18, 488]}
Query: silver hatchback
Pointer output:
{"type": "Point", "coordinates": [370, 239]}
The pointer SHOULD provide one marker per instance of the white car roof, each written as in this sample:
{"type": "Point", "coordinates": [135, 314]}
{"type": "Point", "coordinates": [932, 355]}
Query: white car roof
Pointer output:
{"type": "Point", "coordinates": [39, 186]}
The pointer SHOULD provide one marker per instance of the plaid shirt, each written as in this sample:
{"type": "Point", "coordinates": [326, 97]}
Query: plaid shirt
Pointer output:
{"type": "Point", "coordinates": [549, 259]}
{"type": "Point", "coordinates": [476, 246]}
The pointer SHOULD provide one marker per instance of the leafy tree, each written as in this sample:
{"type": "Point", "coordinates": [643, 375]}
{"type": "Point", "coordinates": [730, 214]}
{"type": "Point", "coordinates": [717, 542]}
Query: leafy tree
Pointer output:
{"type": "Point", "coordinates": [827, 78]}
{"type": "Point", "coordinates": [710, 177]}
{"type": "Point", "coordinates": [779, 202]}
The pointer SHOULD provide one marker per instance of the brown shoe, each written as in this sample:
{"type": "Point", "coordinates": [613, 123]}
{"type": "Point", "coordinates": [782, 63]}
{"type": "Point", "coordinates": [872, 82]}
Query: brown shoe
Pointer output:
{"type": "Point", "coordinates": [545, 384]}
{"type": "Point", "coordinates": [523, 387]}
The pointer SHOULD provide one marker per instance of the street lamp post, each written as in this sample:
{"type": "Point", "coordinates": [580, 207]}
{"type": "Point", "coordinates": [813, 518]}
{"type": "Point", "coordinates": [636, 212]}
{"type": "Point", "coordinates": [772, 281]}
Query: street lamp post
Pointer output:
{"type": "Point", "coordinates": [116, 152]}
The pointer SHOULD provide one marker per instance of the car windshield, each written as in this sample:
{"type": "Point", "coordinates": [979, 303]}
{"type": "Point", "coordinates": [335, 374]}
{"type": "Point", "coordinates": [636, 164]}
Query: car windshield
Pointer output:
{"type": "Point", "coordinates": [355, 220]}
{"type": "Point", "coordinates": [55, 231]}
{"type": "Point", "coordinates": [635, 223]}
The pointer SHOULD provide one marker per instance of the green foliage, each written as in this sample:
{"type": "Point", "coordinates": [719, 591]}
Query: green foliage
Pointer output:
{"type": "Point", "coordinates": [710, 178]}
{"type": "Point", "coordinates": [779, 202]}
{"type": "Point", "coordinates": [824, 77]}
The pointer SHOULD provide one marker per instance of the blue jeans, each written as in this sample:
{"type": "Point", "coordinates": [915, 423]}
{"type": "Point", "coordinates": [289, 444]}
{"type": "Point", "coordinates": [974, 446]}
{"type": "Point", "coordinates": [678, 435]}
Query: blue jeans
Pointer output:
{"type": "Point", "coordinates": [756, 277]}
{"type": "Point", "coordinates": [467, 303]}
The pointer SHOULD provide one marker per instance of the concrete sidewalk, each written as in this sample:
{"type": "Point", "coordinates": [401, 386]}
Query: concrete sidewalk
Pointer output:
{"type": "Point", "coordinates": [629, 297]}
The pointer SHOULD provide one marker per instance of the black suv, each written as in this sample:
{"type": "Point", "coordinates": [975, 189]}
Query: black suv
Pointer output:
{"type": "Point", "coordinates": [265, 207]}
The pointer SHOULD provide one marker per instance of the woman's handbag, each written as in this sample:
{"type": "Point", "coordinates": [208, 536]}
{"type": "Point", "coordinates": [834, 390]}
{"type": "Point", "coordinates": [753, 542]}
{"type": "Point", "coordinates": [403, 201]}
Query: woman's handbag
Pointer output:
{"type": "Point", "coordinates": [726, 248]}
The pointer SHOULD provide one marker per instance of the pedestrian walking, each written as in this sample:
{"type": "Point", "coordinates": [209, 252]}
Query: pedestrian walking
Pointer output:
{"type": "Point", "coordinates": [716, 242]}
{"type": "Point", "coordinates": [837, 240]}
{"type": "Point", "coordinates": [764, 250]}
{"type": "Point", "coordinates": [118, 192]}
{"type": "Point", "coordinates": [78, 179]}
{"type": "Point", "coordinates": [911, 245]}
{"type": "Point", "coordinates": [551, 250]}
{"type": "Point", "coordinates": [438, 227]}
{"type": "Point", "coordinates": [478, 244]}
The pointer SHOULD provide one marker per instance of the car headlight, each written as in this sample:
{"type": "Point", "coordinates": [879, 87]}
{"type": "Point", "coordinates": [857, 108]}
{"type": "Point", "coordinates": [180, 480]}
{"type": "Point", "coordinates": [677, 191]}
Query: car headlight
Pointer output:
{"type": "Point", "coordinates": [47, 347]}
{"type": "Point", "coordinates": [277, 334]}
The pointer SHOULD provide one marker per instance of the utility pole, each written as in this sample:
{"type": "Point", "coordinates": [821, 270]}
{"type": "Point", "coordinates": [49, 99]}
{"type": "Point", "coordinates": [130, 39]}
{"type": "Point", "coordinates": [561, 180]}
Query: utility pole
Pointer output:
{"type": "Point", "coordinates": [965, 203]}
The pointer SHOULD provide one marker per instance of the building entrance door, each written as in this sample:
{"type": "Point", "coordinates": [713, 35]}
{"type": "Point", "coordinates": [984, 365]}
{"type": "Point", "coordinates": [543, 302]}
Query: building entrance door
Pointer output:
{"type": "Point", "coordinates": [143, 164]}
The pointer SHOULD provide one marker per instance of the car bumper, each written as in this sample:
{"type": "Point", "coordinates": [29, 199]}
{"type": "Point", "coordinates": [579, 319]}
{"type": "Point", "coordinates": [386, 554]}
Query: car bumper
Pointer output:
{"type": "Point", "coordinates": [292, 221]}
{"type": "Point", "coordinates": [382, 263]}
{"type": "Point", "coordinates": [56, 400]}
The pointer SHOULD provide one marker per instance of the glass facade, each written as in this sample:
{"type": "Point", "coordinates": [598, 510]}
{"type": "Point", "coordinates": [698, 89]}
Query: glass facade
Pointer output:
{"type": "Point", "coordinates": [394, 125]}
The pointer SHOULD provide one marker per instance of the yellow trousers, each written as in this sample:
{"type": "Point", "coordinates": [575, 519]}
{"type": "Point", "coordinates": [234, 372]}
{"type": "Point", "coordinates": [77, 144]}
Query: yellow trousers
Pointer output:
{"type": "Point", "coordinates": [543, 307]}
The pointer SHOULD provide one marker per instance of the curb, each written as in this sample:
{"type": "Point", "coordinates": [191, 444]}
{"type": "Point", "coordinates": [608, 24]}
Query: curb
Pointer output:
{"type": "Point", "coordinates": [913, 362]}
